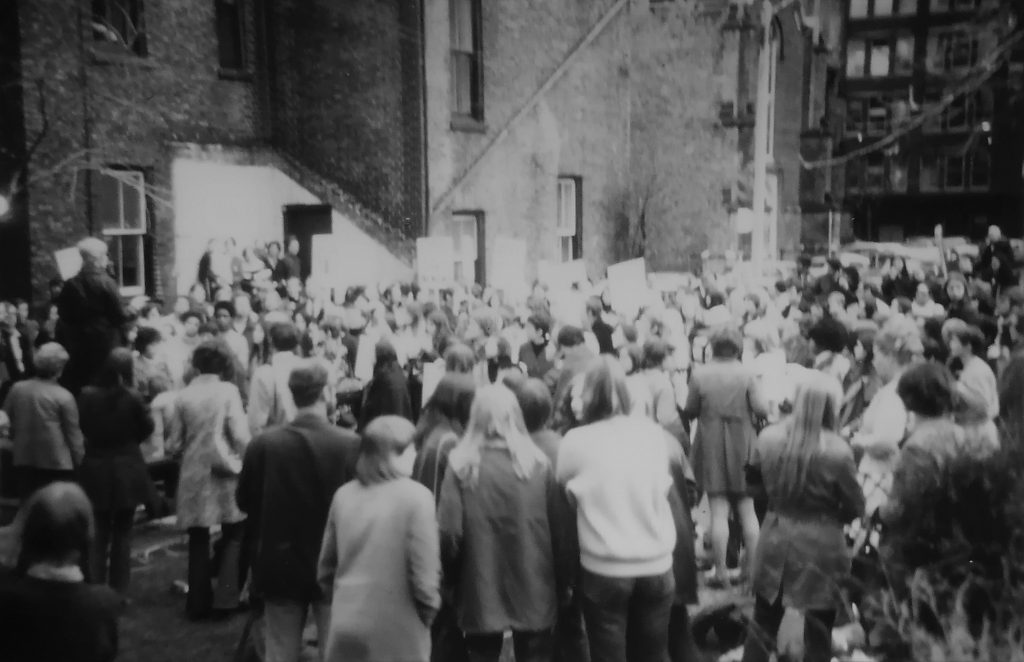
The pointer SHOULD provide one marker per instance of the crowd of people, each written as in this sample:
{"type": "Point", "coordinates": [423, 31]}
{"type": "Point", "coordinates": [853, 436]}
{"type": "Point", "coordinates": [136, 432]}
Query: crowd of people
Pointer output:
{"type": "Point", "coordinates": [424, 472]}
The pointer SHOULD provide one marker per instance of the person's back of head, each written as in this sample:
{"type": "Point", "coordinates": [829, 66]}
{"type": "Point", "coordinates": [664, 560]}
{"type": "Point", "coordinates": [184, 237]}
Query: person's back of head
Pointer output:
{"type": "Point", "coordinates": [50, 360]}
{"type": "Point", "coordinates": [307, 383]}
{"type": "Point", "coordinates": [535, 401]}
{"type": "Point", "coordinates": [570, 336]}
{"type": "Point", "coordinates": [927, 390]}
{"type": "Point", "coordinates": [118, 369]}
{"type": "Point", "coordinates": [459, 358]}
{"type": "Point", "coordinates": [284, 336]}
{"type": "Point", "coordinates": [57, 526]}
{"type": "Point", "coordinates": [383, 441]}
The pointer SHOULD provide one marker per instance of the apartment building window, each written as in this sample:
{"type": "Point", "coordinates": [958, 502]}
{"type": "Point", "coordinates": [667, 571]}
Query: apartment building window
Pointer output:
{"type": "Point", "coordinates": [945, 6]}
{"type": "Point", "coordinates": [874, 172]}
{"type": "Point", "coordinates": [952, 51]}
{"type": "Point", "coordinates": [903, 56]}
{"type": "Point", "coordinates": [856, 64]}
{"type": "Point", "coordinates": [469, 247]}
{"type": "Point", "coordinates": [569, 222]}
{"type": "Point", "coordinates": [230, 35]}
{"type": "Point", "coordinates": [956, 171]}
{"type": "Point", "coordinates": [467, 60]}
{"type": "Point", "coordinates": [118, 25]}
{"type": "Point", "coordinates": [119, 204]}
{"type": "Point", "coordinates": [855, 115]}
{"type": "Point", "coordinates": [878, 116]}
{"type": "Point", "coordinates": [880, 58]}
{"type": "Point", "coordinates": [881, 8]}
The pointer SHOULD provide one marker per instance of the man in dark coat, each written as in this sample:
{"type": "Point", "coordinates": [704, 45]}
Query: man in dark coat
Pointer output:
{"type": "Point", "coordinates": [289, 476]}
{"type": "Point", "coordinates": [91, 316]}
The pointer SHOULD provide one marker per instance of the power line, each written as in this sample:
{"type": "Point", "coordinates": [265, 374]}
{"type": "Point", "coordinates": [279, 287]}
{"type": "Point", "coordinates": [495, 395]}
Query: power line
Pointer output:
{"type": "Point", "coordinates": [975, 80]}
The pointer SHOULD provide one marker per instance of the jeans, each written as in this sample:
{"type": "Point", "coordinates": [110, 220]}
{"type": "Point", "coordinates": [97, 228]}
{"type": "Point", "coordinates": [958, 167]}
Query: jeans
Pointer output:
{"type": "Point", "coordinates": [113, 547]}
{"type": "Point", "coordinates": [528, 646]}
{"type": "Point", "coordinates": [628, 618]}
{"type": "Point", "coordinates": [570, 635]}
{"type": "Point", "coordinates": [226, 563]}
{"type": "Point", "coordinates": [761, 636]}
{"type": "Point", "coordinates": [284, 622]}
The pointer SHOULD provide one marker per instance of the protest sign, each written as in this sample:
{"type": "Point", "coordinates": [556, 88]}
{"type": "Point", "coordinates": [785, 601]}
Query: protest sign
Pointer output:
{"type": "Point", "coordinates": [435, 262]}
{"type": "Point", "coordinates": [69, 262]}
{"type": "Point", "coordinates": [627, 286]}
{"type": "Point", "coordinates": [509, 273]}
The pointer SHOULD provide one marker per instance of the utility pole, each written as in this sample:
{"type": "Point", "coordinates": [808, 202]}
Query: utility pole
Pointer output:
{"type": "Point", "coordinates": [762, 112]}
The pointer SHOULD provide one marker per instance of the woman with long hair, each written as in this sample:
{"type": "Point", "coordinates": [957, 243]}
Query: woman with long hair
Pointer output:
{"type": "Point", "coordinates": [47, 611]}
{"type": "Point", "coordinates": [801, 557]}
{"type": "Point", "coordinates": [209, 432]}
{"type": "Point", "coordinates": [500, 517]}
{"type": "Point", "coordinates": [379, 564]}
{"type": "Point", "coordinates": [616, 471]}
{"type": "Point", "coordinates": [388, 391]}
{"type": "Point", "coordinates": [441, 424]}
{"type": "Point", "coordinates": [114, 421]}
{"type": "Point", "coordinates": [725, 398]}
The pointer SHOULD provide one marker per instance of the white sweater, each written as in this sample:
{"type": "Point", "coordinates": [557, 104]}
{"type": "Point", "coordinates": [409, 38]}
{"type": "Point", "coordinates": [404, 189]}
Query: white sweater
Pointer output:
{"type": "Point", "coordinates": [617, 473]}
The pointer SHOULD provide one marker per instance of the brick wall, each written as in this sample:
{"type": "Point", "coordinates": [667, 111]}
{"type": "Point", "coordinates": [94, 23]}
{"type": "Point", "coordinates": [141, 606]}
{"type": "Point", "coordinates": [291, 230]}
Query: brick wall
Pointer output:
{"type": "Point", "coordinates": [121, 110]}
{"type": "Point", "coordinates": [346, 82]}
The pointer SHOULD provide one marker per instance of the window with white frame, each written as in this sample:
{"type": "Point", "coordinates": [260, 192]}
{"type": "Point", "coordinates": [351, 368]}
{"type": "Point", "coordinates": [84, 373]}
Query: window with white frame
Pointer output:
{"type": "Point", "coordinates": [466, 243]}
{"type": "Point", "coordinates": [568, 222]}
{"type": "Point", "coordinates": [119, 206]}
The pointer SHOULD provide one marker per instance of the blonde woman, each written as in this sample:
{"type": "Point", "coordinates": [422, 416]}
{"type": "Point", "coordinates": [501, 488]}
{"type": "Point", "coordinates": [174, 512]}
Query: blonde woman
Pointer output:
{"type": "Point", "coordinates": [499, 519]}
{"type": "Point", "coordinates": [801, 557]}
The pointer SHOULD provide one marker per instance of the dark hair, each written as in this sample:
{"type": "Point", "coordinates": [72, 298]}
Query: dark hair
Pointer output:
{"type": "Point", "coordinates": [715, 299]}
{"type": "Point", "coordinates": [385, 353]}
{"type": "Point", "coordinates": [213, 357]}
{"type": "Point", "coordinates": [449, 405]}
{"type": "Point", "coordinates": [209, 329]}
{"type": "Point", "coordinates": [58, 525]}
{"type": "Point", "coordinates": [224, 305]}
{"type": "Point", "coordinates": [118, 369]}
{"type": "Point", "coordinates": [903, 305]}
{"type": "Point", "coordinates": [535, 400]}
{"type": "Point", "coordinates": [866, 338]}
{"type": "Point", "coordinates": [384, 437]}
{"type": "Point", "coordinates": [926, 389]}
{"type": "Point", "coordinates": [541, 322]}
{"type": "Point", "coordinates": [655, 352]}
{"type": "Point", "coordinates": [828, 335]}
{"type": "Point", "coordinates": [570, 336]}
{"type": "Point", "coordinates": [189, 314]}
{"type": "Point", "coordinates": [284, 336]}
{"type": "Point", "coordinates": [726, 343]}
{"type": "Point", "coordinates": [307, 382]}
{"type": "Point", "coordinates": [605, 393]}
{"type": "Point", "coordinates": [271, 244]}
{"type": "Point", "coordinates": [459, 358]}
{"type": "Point", "coordinates": [146, 337]}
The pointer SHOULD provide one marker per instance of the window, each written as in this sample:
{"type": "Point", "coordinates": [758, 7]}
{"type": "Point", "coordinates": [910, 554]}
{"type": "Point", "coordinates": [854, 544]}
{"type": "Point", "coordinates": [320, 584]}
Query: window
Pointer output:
{"type": "Point", "coordinates": [955, 50]}
{"type": "Point", "coordinates": [855, 116]}
{"type": "Point", "coordinates": [956, 117]}
{"type": "Point", "coordinates": [882, 8]}
{"type": "Point", "coordinates": [468, 244]}
{"type": "Point", "coordinates": [117, 25]}
{"type": "Point", "coordinates": [878, 116]}
{"type": "Point", "coordinates": [467, 60]}
{"type": "Point", "coordinates": [906, 7]}
{"type": "Point", "coordinates": [956, 171]}
{"type": "Point", "coordinates": [878, 65]}
{"type": "Point", "coordinates": [874, 172]}
{"type": "Point", "coordinates": [981, 169]}
{"type": "Point", "coordinates": [939, 6]}
{"type": "Point", "coordinates": [569, 222]}
{"type": "Point", "coordinates": [855, 60]}
{"type": "Point", "coordinates": [230, 35]}
{"type": "Point", "coordinates": [120, 209]}
{"type": "Point", "coordinates": [903, 59]}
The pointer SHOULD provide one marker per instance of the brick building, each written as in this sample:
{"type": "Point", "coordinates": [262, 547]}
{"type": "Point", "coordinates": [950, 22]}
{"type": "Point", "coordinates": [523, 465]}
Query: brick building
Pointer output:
{"type": "Point", "coordinates": [919, 69]}
{"type": "Point", "coordinates": [164, 125]}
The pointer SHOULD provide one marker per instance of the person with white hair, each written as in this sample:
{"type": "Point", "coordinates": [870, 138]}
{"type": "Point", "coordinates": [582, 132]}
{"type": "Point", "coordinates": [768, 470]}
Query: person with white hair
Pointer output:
{"type": "Point", "coordinates": [48, 444]}
{"type": "Point", "coordinates": [91, 315]}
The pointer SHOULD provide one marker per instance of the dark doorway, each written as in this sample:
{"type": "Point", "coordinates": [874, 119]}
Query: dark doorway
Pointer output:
{"type": "Point", "coordinates": [303, 222]}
